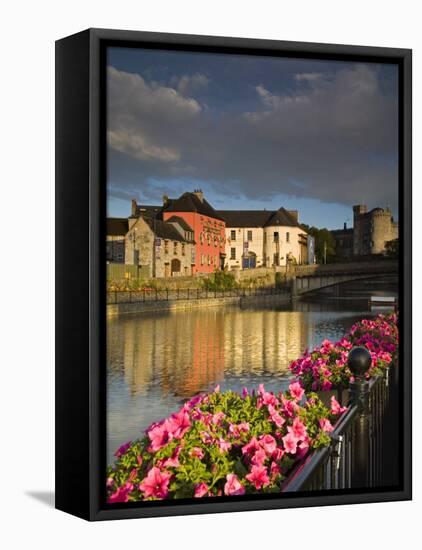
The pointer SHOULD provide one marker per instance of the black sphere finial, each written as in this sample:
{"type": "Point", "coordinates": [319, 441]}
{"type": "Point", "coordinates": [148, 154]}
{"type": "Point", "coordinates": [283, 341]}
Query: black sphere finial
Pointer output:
{"type": "Point", "coordinates": [359, 361]}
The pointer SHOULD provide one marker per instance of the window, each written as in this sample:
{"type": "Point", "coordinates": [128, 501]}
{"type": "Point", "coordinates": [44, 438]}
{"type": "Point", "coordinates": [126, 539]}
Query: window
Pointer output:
{"type": "Point", "coordinates": [232, 253]}
{"type": "Point", "coordinates": [183, 249]}
{"type": "Point", "coordinates": [276, 260]}
{"type": "Point", "coordinates": [233, 234]}
{"type": "Point", "coordinates": [249, 235]}
{"type": "Point", "coordinates": [276, 237]}
{"type": "Point", "coordinates": [287, 237]}
{"type": "Point", "coordinates": [166, 247]}
{"type": "Point", "coordinates": [175, 248]}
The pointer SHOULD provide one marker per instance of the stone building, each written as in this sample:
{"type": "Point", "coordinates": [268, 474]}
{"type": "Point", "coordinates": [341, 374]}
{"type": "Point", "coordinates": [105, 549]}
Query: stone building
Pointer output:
{"type": "Point", "coordinates": [256, 238]}
{"type": "Point", "coordinates": [344, 242]}
{"type": "Point", "coordinates": [371, 231]}
{"type": "Point", "coordinates": [161, 248]}
{"type": "Point", "coordinates": [115, 239]}
{"type": "Point", "coordinates": [207, 225]}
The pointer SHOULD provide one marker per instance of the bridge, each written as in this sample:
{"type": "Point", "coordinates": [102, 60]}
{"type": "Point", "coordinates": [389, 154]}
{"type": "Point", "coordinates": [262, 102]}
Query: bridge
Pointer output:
{"type": "Point", "coordinates": [309, 278]}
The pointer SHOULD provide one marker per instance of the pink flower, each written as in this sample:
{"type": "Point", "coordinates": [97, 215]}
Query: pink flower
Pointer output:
{"type": "Point", "coordinates": [217, 388]}
{"type": "Point", "coordinates": [275, 416]}
{"type": "Point", "coordinates": [336, 408]}
{"type": "Point", "coordinates": [156, 483]}
{"type": "Point", "coordinates": [278, 454]}
{"type": "Point", "coordinates": [326, 385]}
{"type": "Point", "coordinates": [233, 486]}
{"type": "Point", "coordinates": [302, 449]}
{"type": "Point", "coordinates": [258, 477]}
{"type": "Point", "coordinates": [298, 429]}
{"type": "Point", "coordinates": [245, 393]}
{"type": "Point", "coordinates": [268, 443]}
{"type": "Point", "coordinates": [123, 448]}
{"type": "Point", "coordinates": [290, 443]}
{"type": "Point", "coordinates": [325, 425]}
{"type": "Point", "coordinates": [122, 494]}
{"type": "Point", "coordinates": [218, 417]}
{"type": "Point", "coordinates": [223, 445]}
{"type": "Point", "coordinates": [173, 461]}
{"type": "Point", "coordinates": [201, 489]}
{"type": "Point", "coordinates": [296, 391]}
{"type": "Point", "coordinates": [259, 457]}
{"type": "Point", "coordinates": [197, 452]}
{"type": "Point", "coordinates": [289, 407]}
{"type": "Point", "coordinates": [251, 447]}
{"type": "Point", "coordinates": [274, 470]}
{"type": "Point", "coordinates": [159, 436]}
{"type": "Point", "coordinates": [267, 398]}
{"type": "Point", "coordinates": [178, 424]}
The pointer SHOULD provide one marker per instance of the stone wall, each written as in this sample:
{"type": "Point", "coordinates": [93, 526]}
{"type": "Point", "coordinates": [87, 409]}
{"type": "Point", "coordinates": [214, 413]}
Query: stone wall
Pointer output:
{"type": "Point", "coordinates": [114, 310]}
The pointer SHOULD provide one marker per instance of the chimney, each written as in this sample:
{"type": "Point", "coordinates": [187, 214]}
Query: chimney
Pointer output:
{"type": "Point", "coordinates": [134, 210]}
{"type": "Point", "coordinates": [165, 200]}
{"type": "Point", "coordinates": [199, 194]}
{"type": "Point", "coordinates": [345, 225]}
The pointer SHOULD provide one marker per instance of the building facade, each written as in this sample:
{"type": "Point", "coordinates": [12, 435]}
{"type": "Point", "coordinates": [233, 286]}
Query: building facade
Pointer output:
{"type": "Point", "coordinates": [258, 238]}
{"type": "Point", "coordinates": [162, 249]}
{"type": "Point", "coordinates": [207, 225]}
{"type": "Point", "coordinates": [116, 229]}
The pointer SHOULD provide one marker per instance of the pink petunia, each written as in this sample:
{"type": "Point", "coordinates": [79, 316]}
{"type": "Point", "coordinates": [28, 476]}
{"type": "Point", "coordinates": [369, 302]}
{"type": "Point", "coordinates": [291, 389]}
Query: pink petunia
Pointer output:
{"type": "Point", "coordinates": [173, 461]}
{"type": "Point", "coordinates": [336, 408]}
{"type": "Point", "coordinates": [233, 486]}
{"type": "Point", "coordinates": [156, 483]}
{"type": "Point", "coordinates": [325, 425]}
{"type": "Point", "coordinates": [197, 452]}
{"type": "Point", "coordinates": [296, 391]}
{"type": "Point", "coordinates": [122, 494]}
{"type": "Point", "coordinates": [275, 416]}
{"type": "Point", "coordinates": [290, 442]}
{"type": "Point", "coordinates": [258, 477]}
{"type": "Point", "coordinates": [298, 429]}
{"type": "Point", "coordinates": [159, 436]}
{"type": "Point", "coordinates": [178, 424]}
{"type": "Point", "coordinates": [223, 445]}
{"type": "Point", "coordinates": [251, 447]}
{"type": "Point", "coordinates": [122, 449]}
{"type": "Point", "coordinates": [268, 443]}
{"type": "Point", "coordinates": [201, 489]}
{"type": "Point", "coordinates": [259, 457]}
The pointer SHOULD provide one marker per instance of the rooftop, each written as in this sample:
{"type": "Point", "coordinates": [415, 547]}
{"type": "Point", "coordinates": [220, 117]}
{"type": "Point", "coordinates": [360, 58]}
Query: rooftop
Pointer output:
{"type": "Point", "coordinates": [258, 218]}
{"type": "Point", "coordinates": [117, 227]}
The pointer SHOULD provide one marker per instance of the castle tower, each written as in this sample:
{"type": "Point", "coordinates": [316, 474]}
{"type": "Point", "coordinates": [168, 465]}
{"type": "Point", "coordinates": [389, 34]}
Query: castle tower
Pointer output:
{"type": "Point", "coordinates": [359, 212]}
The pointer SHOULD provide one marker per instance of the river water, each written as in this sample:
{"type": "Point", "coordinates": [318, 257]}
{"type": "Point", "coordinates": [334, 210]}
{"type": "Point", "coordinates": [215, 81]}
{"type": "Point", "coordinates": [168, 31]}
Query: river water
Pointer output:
{"type": "Point", "coordinates": [156, 361]}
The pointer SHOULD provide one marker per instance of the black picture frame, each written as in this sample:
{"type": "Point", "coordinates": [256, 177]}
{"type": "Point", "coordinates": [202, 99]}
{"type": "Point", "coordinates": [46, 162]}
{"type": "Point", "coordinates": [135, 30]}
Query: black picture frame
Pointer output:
{"type": "Point", "coordinates": [80, 276]}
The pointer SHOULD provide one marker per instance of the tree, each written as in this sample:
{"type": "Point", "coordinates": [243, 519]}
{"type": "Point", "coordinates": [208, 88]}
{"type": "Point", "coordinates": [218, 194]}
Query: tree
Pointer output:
{"type": "Point", "coordinates": [325, 244]}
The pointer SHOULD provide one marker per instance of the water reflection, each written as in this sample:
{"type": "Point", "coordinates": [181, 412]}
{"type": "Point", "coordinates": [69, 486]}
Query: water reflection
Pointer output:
{"type": "Point", "coordinates": [154, 362]}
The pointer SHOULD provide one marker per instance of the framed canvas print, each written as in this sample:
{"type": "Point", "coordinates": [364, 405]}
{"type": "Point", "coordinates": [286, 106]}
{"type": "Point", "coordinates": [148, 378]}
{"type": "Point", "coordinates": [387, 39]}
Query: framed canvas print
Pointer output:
{"type": "Point", "coordinates": [233, 274]}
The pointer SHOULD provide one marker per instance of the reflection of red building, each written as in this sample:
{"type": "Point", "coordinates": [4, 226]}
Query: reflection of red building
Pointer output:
{"type": "Point", "coordinates": [208, 227]}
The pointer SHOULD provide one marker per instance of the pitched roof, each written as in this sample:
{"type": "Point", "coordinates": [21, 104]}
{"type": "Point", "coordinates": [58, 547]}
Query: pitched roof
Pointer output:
{"type": "Point", "coordinates": [258, 218]}
{"type": "Point", "coordinates": [148, 210]}
{"type": "Point", "coordinates": [189, 202]}
{"type": "Point", "coordinates": [165, 230]}
{"type": "Point", "coordinates": [117, 226]}
{"type": "Point", "coordinates": [183, 223]}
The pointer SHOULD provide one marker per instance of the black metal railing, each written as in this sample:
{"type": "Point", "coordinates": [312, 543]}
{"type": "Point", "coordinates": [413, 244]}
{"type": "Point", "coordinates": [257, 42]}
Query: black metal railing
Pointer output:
{"type": "Point", "coordinates": [363, 450]}
{"type": "Point", "coordinates": [158, 295]}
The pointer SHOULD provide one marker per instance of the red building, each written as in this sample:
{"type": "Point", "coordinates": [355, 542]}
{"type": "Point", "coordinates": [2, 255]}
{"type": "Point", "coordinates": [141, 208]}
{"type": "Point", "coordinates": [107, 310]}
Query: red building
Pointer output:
{"type": "Point", "coordinates": [208, 227]}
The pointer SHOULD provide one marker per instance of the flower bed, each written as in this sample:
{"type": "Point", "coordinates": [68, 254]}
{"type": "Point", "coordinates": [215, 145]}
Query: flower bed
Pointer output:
{"type": "Point", "coordinates": [326, 368]}
{"type": "Point", "coordinates": [222, 444]}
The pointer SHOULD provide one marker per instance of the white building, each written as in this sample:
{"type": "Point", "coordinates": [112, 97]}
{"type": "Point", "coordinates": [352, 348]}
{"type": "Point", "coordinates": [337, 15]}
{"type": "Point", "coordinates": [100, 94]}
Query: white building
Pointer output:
{"type": "Point", "coordinates": [263, 238]}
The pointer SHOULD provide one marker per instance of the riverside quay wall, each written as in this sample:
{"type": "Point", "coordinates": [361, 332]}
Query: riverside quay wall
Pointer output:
{"type": "Point", "coordinates": [119, 303]}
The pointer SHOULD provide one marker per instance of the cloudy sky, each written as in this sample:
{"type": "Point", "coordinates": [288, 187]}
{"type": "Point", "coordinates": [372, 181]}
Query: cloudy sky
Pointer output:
{"type": "Point", "coordinates": [252, 132]}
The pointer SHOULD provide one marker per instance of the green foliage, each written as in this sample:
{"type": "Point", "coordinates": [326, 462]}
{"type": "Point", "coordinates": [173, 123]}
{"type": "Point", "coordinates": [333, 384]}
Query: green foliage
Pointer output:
{"type": "Point", "coordinates": [325, 244]}
{"type": "Point", "coordinates": [220, 280]}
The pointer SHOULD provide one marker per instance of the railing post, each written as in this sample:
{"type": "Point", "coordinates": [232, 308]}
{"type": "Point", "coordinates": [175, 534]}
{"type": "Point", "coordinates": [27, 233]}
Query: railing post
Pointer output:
{"type": "Point", "coordinates": [359, 361]}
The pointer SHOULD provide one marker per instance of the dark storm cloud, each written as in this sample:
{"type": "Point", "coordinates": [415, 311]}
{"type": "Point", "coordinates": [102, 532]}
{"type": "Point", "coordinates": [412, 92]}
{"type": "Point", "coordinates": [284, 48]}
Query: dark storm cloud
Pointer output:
{"type": "Point", "coordinates": [331, 136]}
